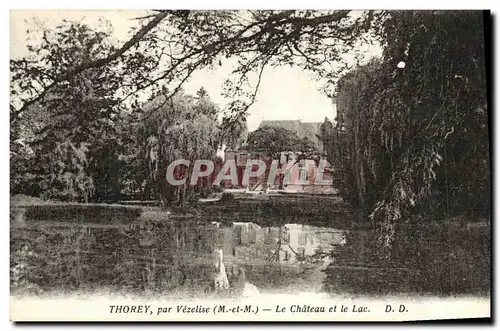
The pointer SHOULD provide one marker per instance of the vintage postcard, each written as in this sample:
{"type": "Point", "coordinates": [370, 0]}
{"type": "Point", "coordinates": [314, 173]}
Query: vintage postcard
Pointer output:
{"type": "Point", "coordinates": [249, 165]}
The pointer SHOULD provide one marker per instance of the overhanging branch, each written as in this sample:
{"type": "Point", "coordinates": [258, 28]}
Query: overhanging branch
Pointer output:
{"type": "Point", "coordinates": [96, 63]}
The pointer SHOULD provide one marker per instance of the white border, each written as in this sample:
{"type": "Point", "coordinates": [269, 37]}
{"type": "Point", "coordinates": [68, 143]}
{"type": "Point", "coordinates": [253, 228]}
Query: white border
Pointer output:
{"type": "Point", "coordinates": [99, 4]}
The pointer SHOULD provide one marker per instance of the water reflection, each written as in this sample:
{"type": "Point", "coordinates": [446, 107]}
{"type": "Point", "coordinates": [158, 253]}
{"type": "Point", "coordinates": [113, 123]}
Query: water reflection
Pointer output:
{"type": "Point", "coordinates": [288, 244]}
{"type": "Point", "coordinates": [172, 255]}
{"type": "Point", "coordinates": [290, 258]}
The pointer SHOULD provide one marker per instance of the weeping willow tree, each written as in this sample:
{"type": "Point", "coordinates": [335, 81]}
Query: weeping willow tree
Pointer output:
{"type": "Point", "coordinates": [354, 152]}
{"type": "Point", "coordinates": [413, 138]}
{"type": "Point", "coordinates": [170, 129]}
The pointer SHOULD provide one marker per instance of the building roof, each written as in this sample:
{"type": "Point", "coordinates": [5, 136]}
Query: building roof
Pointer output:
{"type": "Point", "coordinates": [303, 129]}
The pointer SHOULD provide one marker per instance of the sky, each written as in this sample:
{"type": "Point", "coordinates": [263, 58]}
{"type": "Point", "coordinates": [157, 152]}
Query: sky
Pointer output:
{"type": "Point", "coordinates": [286, 93]}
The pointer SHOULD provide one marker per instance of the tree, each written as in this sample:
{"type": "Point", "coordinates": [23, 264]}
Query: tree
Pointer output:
{"type": "Point", "coordinates": [407, 128]}
{"type": "Point", "coordinates": [182, 128]}
{"type": "Point", "coordinates": [273, 141]}
{"type": "Point", "coordinates": [164, 51]}
{"type": "Point", "coordinates": [202, 93]}
{"type": "Point", "coordinates": [234, 131]}
{"type": "Point", "coordinates": [351, 146]}
{"type": "Point", "coordinates": [449, 105]}
{"type": "Point", "coordinates": [337, 143]}
{"type": "Point", "coordinates": [68, 128]}
{"type": "Point", "coordinates": [171, 45]}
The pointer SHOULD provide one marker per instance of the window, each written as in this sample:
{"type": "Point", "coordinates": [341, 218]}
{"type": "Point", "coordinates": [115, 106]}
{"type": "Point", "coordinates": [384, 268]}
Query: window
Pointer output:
{"type": "Point", "coordinates": [303, 174]}
{"type": "Point", "coordinates": [252, 235]}
{"type": "Point", "coordinates": [238, 234]}
{"type": "Point", "coordinates": [302, 170]}
{"type": "Point", "coordinates": [302, 238]}
{"type": "Point", "coordinates": [287, 179]}
{"type": "Point", "coordinates": [301, 252]}
{"type": "Point", "coordinates": [283, 158]}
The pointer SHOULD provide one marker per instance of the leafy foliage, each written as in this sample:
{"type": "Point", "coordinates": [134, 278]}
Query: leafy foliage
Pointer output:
{"type": "Point", "coordinates": [416, 138]}
{"type": "Point", "coordinates": [275, 140]}
{"type": "Point", "coordinates": [171, 45]}
{"type": "Point", "coordinates": [68, 128]}
{"type": "Point", "coordinates": [408, 141]}
{"type": "Point", "coordinates": [234, 131]}
{"type": "Point", "coordinates": [169, 129]}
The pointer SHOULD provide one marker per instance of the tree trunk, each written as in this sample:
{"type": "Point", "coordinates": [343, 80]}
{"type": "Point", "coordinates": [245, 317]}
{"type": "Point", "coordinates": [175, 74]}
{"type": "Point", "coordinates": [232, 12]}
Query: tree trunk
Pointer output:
{"type": "Point", "coordinates": [266, 173]}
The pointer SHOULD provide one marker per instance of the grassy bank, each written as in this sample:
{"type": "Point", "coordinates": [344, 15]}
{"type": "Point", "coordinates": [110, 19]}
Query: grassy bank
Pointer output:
{"type": "Point", "coordinates": [443, 259]}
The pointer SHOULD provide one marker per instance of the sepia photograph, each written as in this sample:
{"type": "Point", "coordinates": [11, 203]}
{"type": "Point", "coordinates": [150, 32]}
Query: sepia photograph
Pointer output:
{"type": "Point", "coordinates": [250, 165]}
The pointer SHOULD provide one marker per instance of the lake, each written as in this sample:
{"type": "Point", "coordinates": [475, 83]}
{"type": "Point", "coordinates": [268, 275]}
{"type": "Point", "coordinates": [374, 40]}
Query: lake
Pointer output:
{"type": "Point", "coordinates": [169, 254]}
